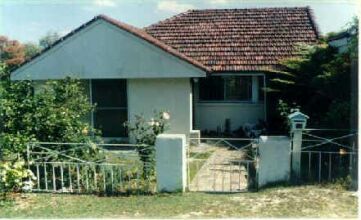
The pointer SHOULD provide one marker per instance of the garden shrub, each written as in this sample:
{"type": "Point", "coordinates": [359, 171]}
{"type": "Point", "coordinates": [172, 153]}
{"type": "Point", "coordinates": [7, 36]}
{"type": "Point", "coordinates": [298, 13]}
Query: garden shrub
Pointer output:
{"type": "Point", "coordinates": [145, 133]}
{"type": "Point", "coordinates": [54, 113]}
{"type": "Point", "coordinates": [14, 177]}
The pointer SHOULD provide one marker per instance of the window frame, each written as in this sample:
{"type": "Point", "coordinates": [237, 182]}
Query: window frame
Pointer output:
{"type": "Point", "coordinates": [251, 101]}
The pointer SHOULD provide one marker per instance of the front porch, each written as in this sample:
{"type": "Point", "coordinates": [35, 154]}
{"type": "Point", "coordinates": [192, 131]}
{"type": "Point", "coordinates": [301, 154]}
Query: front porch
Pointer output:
{"type": "Point", "coordinates": [225, 104]}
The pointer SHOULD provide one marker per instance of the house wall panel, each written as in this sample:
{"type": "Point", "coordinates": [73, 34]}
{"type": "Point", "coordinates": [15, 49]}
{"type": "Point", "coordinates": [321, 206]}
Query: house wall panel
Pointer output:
{"type": "Point", "coordinates": [211, 115]}
{"type": "Point", "coordinates": [174, 95]}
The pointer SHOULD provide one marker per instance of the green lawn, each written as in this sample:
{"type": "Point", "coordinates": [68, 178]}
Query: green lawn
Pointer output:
{"type": "Point", "coordinates": [196, 161]}
{"type": "Point", "coordinates": [305, 201]}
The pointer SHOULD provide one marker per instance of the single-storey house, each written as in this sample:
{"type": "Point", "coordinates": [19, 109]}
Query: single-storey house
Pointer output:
{"type": "Point", "coordinates": [206, 67]}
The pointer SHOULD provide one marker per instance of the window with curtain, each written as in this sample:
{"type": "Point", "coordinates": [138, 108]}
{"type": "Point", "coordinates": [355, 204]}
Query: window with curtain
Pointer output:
{"type": "Point", "coordinates": [110, 97]}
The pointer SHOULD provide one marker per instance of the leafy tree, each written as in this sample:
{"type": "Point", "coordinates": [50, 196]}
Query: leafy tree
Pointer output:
{"type": "Point", "coordinates": [53, 113]}
{"type": "Point", "coordinates": [48, 39]}
{"type": "Point", "coordinates": [31, 49]}
{"type": "Point", "coordinates": [11, 52]}
{"type": "Point", "coordinates": [318, 80]}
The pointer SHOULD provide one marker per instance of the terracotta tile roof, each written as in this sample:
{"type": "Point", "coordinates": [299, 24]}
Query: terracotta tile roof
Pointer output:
{"type": "Point", "coordinates": [130, 29]}
{"type": "Point", "coordinates": [238, 39]}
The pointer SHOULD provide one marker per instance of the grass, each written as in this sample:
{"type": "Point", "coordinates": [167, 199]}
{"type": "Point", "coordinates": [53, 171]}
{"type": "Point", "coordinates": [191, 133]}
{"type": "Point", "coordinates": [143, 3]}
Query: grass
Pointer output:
{"type": "Point", "coordinates": [304, 201]}
{"type": "Point", "coordinates": [195, 165]}
{"type": "Point", "coordinates": [121, 157]}
{"type": "Point", "coordinates": [201, 155]}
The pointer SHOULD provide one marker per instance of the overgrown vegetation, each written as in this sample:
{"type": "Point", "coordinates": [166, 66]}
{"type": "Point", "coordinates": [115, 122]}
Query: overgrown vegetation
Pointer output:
{"type": "Point", "coordinates": [52, 112]}
{"type": "Point", "coordinates": [318, 81]}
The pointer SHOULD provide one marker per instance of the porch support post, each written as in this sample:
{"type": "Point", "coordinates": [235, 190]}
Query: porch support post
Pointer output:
{"type": "Point", "coordinates": [255, 89]}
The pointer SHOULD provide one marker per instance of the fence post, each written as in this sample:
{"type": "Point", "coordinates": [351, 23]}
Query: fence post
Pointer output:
{"type": "Point", "coordinates": [271, 149]}
{"type": "Point", "coordinates": [170, 154]}
{"type": "Point", "coordinates": [298, 122]}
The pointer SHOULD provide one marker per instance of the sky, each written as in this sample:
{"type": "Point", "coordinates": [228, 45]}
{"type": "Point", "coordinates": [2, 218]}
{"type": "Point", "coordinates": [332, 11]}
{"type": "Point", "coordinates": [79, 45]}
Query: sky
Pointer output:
{"type": "Point", "coordinates": [29, 20]}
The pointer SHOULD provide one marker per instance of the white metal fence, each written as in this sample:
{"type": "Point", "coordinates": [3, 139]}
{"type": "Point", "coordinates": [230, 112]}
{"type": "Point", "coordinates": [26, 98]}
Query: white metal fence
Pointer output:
{"type": "Point", "coordinates": [57, 170]}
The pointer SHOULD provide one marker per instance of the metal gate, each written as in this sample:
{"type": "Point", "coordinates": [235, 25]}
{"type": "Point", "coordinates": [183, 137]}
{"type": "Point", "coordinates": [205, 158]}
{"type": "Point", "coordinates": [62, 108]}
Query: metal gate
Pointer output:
{"type": "Point", "coordinates": [222, 164]}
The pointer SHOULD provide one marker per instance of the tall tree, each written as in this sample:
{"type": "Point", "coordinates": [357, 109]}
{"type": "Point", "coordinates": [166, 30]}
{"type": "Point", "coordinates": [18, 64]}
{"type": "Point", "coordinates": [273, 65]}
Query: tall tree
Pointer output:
{"type": "Point", "coordinates": [31, 49]}
{"type": "Point", "coordinates": [319, 81]}
{"type": "Point", "coordinates": [11, 52]}
{"type": "Point", "coordinates": [48, 39]}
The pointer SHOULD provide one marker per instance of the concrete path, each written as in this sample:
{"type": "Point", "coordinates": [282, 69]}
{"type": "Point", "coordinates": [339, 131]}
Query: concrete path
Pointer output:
{"type": "Point", "coordinates": [219, 174]}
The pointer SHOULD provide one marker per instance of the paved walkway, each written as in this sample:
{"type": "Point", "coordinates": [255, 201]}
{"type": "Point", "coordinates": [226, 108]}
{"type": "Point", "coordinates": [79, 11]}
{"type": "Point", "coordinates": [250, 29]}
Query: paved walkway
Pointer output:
{"type": "Point", "coordinates": [222, 172]}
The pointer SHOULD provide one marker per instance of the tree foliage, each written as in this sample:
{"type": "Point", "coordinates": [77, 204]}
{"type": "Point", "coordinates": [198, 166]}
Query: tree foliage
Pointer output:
{"type": "Point", "coordinates": [54, 112]}
{"type": "Point", "coordinates": [31, 49]}
{"type": "Point", "coordinates": [11, 52]}
{"type": "Point", "coordinates": [48, 39]}
{"type": "Point", "coordinates": [319, 81]}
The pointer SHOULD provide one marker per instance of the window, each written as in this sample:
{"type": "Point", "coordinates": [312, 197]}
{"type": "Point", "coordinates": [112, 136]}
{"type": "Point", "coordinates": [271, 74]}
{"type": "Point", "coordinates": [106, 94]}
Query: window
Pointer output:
{"type": "Point", "coordinates": [110, 97]}
{"type": "Point", "coordinates": [228, 88]}
{"type": "Point", "coordinates": [211, 89]}
{"type": "Point", "coordinates": [238, 88]}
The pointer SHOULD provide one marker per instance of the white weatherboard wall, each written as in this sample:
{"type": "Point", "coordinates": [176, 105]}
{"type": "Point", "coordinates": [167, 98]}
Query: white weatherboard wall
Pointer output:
{"type": "Point", "coordinates": [275, 159]}
{"type": "Point", "coordinates": [171, 163]}
{"type": "Point", "coordinates": [174, 95]}
{"type": "Point", "coordinates": [104, 51]}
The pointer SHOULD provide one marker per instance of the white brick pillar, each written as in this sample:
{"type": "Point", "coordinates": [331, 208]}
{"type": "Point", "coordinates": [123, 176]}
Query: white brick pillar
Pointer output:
{"type": "Point", "coordinates": [170, 155]}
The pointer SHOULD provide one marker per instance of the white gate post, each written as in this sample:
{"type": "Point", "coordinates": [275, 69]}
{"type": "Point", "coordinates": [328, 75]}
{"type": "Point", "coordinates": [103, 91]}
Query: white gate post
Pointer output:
{"type": "Point", "coordinates": [296, 153]}
{"type": "Point", "coordinates": [170, 156]}
{"type": "Point", "coordinates": [298, 123]}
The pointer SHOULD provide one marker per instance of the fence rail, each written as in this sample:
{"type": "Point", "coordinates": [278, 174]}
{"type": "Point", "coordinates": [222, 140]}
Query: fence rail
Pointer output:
{"type": "Point", "coordinates": [323, 166]}
{"type": "Point", "coordinates": [69, 174]}
{"type": "Point", "coordinates": [327, 155]}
